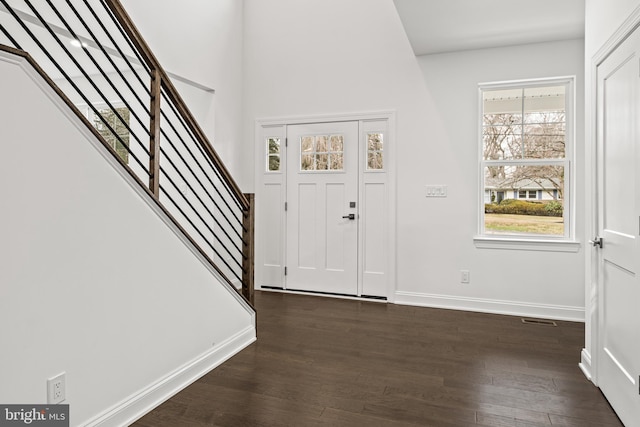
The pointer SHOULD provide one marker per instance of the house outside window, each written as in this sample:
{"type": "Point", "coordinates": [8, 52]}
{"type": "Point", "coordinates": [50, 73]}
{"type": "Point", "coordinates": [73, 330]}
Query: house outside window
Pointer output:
{"type": "Point", "coordinates": [526, 147]}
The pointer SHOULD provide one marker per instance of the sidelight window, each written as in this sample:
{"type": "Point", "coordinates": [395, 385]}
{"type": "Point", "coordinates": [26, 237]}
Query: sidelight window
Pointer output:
{"type": "Point", "coordinates": [273, 154]}
{"type": "Point", "coordinates": [375, 151]}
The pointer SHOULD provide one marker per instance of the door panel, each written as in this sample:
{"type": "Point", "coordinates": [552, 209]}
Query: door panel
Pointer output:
{"type": "Point", "coordinates": [322, 181]}
{"type": "Point", "coordinates": [270, 198]}
{"type": "Point", "coordinates": [307, 219]}
{"type": "Point", "coordinates": [616, 308]}
{"type": "Point", "coordinates": [376, 217]}
{"type": "Point", "coordinates": [618, 364]}
{"type": "Point", "coordinates": [336, 205]}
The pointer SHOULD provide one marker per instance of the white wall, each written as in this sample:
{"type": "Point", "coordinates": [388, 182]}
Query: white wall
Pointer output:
{"type": "Point", "coordinates": [93, 281]}
{"type": "Point", "coordinates": [521, 276]}
{"type": "Point", "coordinates": [202, 40]}
{"type": "Point", "coordinates": [331, 56]}
{"type": "Point", "coordinates": [602, 19]}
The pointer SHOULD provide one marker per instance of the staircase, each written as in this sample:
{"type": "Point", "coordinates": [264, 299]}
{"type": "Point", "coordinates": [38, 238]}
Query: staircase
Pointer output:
{"type": "Point", "coordinates": [127, 245]}
{"type": "Point", "coordinates": [91, 53]}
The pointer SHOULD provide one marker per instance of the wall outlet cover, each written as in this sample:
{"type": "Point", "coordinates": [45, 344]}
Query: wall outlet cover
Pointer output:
{"type": "Point", "coordinates": [56, 389]}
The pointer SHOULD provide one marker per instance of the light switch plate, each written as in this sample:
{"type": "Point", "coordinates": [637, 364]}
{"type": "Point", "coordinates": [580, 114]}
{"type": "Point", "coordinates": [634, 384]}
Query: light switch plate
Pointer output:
{"type": "Point", "coordinates": [436, 191]}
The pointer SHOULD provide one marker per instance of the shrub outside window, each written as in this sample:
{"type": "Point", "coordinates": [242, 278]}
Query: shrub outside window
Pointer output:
{"type": "Point", "coordinates": [526, 147]}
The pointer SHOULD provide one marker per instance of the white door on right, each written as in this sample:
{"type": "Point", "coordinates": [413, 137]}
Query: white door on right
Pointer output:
{"type": "Point", "coordinates": [618, 137]}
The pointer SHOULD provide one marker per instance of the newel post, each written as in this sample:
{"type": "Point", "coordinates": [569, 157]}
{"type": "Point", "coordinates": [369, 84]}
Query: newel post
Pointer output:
{"type": "Point", "coordinates": [248, 225]}
{"type": "Point", "coordinates": [154, 143]}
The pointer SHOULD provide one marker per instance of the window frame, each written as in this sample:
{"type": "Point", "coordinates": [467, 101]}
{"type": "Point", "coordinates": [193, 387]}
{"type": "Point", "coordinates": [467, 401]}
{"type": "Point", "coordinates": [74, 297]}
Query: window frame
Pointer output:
{"type": "Point", "coordinates": [567, 241]}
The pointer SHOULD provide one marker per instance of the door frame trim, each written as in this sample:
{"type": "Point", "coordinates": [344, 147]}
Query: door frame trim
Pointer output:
{"type": "Point", "coordinates": [387, 115]}
{"type": "Point", "coordinates": [590, 353]}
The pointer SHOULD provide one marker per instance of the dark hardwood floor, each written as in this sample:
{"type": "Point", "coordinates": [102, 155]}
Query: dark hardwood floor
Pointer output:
{"type": "Point", "coordinates": [333, 362]}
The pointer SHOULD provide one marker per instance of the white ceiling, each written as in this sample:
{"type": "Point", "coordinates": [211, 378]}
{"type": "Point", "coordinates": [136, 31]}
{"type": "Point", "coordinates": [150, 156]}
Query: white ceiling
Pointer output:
{"type": "Point", "coordinates": [438, 26]}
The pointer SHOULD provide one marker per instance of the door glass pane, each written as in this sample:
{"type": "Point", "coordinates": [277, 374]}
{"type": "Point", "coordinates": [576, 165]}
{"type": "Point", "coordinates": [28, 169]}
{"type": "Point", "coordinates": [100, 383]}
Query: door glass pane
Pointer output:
{"type": "Point", "coordinates": [306, 144]}
{"type": "Point", "coordinates": [336, 161]}
{"type": "Point", "coordinates": [274, 163]}
{"type": "Point", "coordinates": [322, 143]}
{"type": "Point", "coordinates": [322, 161]}
{"type": "Point", "coordinates": [337, 143]}
{"type": "Point", "coordinates": [273, 156]}
{"type": "Point", "coordinates": [274, 145]}
{"type": "Point", "coordinates": [322, 153]}
{"type": "Point", "coordinates": [374, 160]}
{"type": "Point", "coordinates": [307, 163]}
{"type": "Point", "coordinates": [375, 151]}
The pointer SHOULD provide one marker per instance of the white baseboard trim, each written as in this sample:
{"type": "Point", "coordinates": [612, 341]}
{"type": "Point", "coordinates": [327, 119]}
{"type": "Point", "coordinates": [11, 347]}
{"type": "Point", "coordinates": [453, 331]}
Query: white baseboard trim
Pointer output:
{"type": "Point", "coordinates": [136, 406]}
{"type": "Point", "coordinates": [585, 364]}
{"type": "Point", "coordinates": [513, 308]}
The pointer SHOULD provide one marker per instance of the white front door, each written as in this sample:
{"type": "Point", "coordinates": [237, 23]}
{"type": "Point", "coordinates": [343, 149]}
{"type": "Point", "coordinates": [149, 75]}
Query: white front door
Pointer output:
{"type": "Point", "coordinates": [322, 208]}
{"type": "Point", "coordinates": [618, 137]}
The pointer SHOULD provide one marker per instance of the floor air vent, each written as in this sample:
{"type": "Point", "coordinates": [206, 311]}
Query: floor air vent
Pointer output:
{"type": "Point", "coordinates": [543, 322]}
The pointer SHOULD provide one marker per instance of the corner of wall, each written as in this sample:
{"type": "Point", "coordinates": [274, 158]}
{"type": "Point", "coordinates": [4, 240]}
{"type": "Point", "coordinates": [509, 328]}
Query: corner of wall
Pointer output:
{"type": "Point", "coordinates": [585, 364]}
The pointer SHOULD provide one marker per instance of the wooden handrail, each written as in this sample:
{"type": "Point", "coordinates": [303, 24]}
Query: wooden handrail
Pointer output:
{"type": "Point", "coordinates": [152, 62]}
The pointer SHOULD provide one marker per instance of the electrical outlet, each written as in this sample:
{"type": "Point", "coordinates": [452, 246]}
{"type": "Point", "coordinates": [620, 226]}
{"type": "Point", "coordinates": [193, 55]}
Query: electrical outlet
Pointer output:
{"type": "Point", "coordinates": [56, 389]}
{"type": "Point", "coordinates": [464, 276]}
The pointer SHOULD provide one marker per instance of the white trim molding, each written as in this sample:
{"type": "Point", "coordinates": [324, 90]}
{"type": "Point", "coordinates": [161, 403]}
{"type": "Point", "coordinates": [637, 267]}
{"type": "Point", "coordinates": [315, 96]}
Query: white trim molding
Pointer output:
{"type": "Point", "coordinates": [585, 364]}
{"type": "Point", "coordinates": [546, 245]}
{"type": "Point", "coordinates": [136, 406]}
{"type": "Point", "coordinates": [482, 305]}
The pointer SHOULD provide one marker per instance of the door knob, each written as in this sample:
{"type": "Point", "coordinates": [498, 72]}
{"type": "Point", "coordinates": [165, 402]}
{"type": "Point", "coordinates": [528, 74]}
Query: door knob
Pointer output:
{"type": "Point", "coordinates": [597, 241]}
{"type": "Point", "coordinates": [350, 216]}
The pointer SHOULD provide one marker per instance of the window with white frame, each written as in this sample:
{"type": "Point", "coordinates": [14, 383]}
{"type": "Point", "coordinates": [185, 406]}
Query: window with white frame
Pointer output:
{"type": "Point", "coordinates": [526, 147]}
{"type": "Point", "coordinates": [273, 154]}
{"type": "Point", "coordinates": [375, 151]}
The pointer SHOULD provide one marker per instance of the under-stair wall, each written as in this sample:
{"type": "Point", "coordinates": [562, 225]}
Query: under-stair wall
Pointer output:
{"type": "Point", "coordinates": [95, 280]}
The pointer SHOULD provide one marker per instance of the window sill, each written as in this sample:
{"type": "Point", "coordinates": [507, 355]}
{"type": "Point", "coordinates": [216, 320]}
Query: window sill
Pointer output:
{"type": "Point", "coordinates": [547, 245]}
